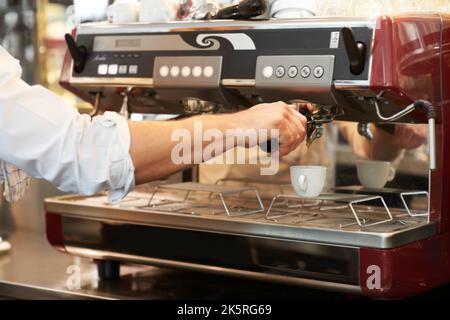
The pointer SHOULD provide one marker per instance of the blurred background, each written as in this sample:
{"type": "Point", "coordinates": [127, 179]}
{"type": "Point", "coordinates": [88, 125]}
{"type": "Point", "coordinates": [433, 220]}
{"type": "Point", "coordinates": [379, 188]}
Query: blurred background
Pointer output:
{"type": "Point", "coordinates": [33, 31]}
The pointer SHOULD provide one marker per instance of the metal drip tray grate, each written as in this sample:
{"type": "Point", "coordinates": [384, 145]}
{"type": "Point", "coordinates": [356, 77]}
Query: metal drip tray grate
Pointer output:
{"type": "Point", "coordinates": [317, 208]}
{"type": "Point", "coordinates": [354, 220]}
{"type": "Point", "coordinates": [213, 191]}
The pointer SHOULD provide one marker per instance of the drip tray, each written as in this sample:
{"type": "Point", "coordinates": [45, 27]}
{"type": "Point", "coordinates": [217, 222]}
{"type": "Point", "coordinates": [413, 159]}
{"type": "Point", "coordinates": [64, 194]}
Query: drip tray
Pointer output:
{"type": "Point", "coordinates": [341, 219]}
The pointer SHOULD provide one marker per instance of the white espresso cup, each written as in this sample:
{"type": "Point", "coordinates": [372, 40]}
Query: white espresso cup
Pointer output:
{"type": "Point", "coordinates": [124, 11]}
{"type": "Point", "coordinates": [375, 174]}
{"type": "Point", "coordinates": [293, 9]}
{"type": "Point", "coordinates": [308, 181]}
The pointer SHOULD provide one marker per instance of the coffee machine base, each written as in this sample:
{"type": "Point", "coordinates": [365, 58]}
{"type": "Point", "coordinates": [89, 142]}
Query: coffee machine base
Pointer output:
{"type": "Point", "coordinates": [317, 244]}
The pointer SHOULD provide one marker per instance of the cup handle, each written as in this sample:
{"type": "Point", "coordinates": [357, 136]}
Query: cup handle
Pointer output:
{"type": "Point", "coordinates": [391, 174]}
{"type": "Point", "coordinates": [303, 183]}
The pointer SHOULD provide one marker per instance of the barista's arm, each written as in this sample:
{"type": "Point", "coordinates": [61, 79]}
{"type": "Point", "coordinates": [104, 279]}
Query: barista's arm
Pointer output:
{"type": "Point", "coordinates": [384, 146]}
{"type": "Point", "coordinates": [48, 139]}
{"type": "Point", "coordinates": [152, 144]}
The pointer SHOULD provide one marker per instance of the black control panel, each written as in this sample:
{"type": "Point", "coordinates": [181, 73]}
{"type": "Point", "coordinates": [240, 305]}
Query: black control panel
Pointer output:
{"type": "Point", "coordinates": [134, 55]}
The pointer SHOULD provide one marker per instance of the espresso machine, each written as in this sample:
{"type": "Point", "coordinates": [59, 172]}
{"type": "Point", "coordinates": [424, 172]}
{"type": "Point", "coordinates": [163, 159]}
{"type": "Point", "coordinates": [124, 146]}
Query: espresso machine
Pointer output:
{"type": "Point", "coordinates": [392, 69]}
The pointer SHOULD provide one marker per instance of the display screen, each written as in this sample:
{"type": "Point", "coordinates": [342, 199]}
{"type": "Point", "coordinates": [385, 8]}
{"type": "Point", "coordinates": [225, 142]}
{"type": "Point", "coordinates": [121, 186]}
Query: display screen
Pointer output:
{"type": "Point", "coordinates": [128, 43]}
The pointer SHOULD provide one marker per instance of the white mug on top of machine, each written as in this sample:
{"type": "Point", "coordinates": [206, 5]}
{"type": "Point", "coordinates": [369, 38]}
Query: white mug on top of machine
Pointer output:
{"type": "Point", "coordinates": [375, 174]}
{"type": "Point", "coordinates": [79, 12]}
{"type": "Point", "coordinates": [155, 11]}
{"type": "Point", "coordinates": [308, 181]}
{"type": "Point", "coordinates": [293, 9]}
{"type": "Point", "coordinates": [124, 11]}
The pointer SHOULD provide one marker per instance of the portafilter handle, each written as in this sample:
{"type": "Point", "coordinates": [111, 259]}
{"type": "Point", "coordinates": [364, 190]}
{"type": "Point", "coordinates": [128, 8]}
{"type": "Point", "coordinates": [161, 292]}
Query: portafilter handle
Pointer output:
{"type": "Point", "coordinates": [314, 131]}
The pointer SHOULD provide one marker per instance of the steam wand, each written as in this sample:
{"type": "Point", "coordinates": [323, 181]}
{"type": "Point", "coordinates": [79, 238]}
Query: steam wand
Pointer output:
{"type": "Point", "coordinates": [125, 109]}
{"type": "Point", "coordinates": [98, 98]}
{"type": "Point", "coordinates": [431, 116]}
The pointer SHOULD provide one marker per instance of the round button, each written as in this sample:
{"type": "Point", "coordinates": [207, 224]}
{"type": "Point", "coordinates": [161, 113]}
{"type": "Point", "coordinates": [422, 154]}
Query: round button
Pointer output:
{"type": "Point", "coordinates": [175, 72]}
{"type": "Point", "coordinates": [186, 72]}
{"type": "Point", "coordinates": [164, 71]}
{"type": "Point", "coordinates": [280, 71]}
{"type": "Point", "coordinates": [292, 72]}
{"type": "Point", "coordinates": [267, 72]}
{"type": "Point", "coordinates": [319, 72]}
{"type": "Point", "coordinates": [305, 72]}
{"type": "Point", "coordinates": [208, 72]}
{"type": "Point", "coordinates": [197, 72]}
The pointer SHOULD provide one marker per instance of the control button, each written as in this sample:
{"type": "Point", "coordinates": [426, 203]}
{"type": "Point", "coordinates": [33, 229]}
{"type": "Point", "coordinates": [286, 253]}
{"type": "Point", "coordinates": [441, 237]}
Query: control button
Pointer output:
{"type": "Point", "coordinates": [208, 72]}
{"type": "Point", "coordinates": [280, 72]}
{"type": "Point", "coordinates": [319, 72]}
{"type": "Point", "coordinates": [133, 69]}
{"type": "Point", "coordinates": [292, 72]}
{"type": "Point", "coordinates": [136, 55]}
{"type": "Point", "coordinates": [267, 72]}
{"type": "Point", "coordinates": [102, 69]}
{"type": "Point", "coordinates": [113, 69]}
{"type": "Point", "coordinates": [175, 71]}
{"type": "Point", "coordinates": [123, 69]}
{"type": "Point", "coordinates": [186, 72]}
{"type": "Point", "coordinates": [164, 71]}
{"type": "Point", "coordinates": [116, 56]}
{"type": "Point", "coordinates": [197, 71]}
{"type": "Point", "coordinates": [305, 72]}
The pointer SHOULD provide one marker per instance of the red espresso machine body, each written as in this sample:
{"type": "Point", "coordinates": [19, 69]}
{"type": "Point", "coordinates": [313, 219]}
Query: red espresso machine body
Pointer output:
{"type": "Point", "coordinates": [411, 61]}
{"type": "Point", "coordinates": [408, 60]}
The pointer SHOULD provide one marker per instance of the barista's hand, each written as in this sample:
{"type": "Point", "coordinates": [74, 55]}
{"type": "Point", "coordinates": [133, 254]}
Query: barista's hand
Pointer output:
{"type": "Point", "coordinates": [409, 136]}
{"type": "Point", "coordinates": [290, 123]}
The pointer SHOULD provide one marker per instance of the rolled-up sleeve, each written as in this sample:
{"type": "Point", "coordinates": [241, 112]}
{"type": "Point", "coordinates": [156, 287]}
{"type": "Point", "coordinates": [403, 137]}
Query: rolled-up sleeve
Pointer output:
{"type": "Point", "coordinates": [47, 138]}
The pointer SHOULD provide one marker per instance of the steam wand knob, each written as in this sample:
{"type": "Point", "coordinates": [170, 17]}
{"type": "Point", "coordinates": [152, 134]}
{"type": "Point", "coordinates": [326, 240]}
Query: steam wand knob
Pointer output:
{"type": "Point", "coordinates": [79, 53]}
{"type": "Point", "coordinates": [356, 51]}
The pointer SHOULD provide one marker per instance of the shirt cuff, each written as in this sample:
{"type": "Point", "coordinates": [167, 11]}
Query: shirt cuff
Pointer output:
{"type": "Point", "coordinates": [10, 68]}
{"type": "Point", "coordinates": [122, 169]}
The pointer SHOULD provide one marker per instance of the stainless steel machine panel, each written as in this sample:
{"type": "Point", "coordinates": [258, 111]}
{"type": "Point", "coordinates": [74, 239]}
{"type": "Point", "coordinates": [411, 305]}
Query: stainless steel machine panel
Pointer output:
{"type": "Point", "coordinates": [187, 72]}
{"type": "Point", "coordinates": [285, 77]}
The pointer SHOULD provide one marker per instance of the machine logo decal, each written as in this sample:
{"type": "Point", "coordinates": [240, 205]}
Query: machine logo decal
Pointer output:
{"type": "Point", "coordinates": [240, 41]}
{"type": "Point", "coordinates": [99, 58]}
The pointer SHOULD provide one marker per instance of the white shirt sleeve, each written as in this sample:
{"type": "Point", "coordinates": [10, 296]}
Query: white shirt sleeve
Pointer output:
{"type": "Point", "coordinates": [47, 138]}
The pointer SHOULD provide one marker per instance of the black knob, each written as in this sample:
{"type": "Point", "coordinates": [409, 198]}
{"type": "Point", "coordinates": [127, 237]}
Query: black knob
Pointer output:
{"type": "Point", "coordinates": [356, 51]}
{"type": "Point", "coordinates": [79, 53]}
{"type": "Point", "coordinates": [267, 146]}
{"type": "Point", "coordinates": [243, 10]}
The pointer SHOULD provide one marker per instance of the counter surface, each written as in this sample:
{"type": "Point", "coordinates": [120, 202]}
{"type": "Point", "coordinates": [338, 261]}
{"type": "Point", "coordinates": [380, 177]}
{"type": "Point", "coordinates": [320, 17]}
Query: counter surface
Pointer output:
{"type": "Point", "coordinates": [34, 270]}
